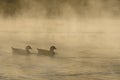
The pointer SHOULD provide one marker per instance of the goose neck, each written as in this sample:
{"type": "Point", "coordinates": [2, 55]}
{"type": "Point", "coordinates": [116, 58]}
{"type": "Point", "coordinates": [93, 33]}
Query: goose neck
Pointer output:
{"type": "Point", "coordinates": [28, 51]}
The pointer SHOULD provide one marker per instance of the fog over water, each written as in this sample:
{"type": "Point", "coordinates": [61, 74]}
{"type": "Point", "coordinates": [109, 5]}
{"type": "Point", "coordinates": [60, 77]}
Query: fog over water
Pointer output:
{"type": "Point", "coordinates": [60, 8]}
{"type": "Point", "coordinates": [85, 32]}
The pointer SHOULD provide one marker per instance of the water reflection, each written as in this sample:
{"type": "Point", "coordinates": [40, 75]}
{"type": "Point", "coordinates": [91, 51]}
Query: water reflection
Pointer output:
{"type": "Point", "coordinates": [34, 67]}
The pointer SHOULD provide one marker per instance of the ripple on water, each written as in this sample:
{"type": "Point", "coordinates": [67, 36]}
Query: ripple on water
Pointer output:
{"type": "Point", "coordinates": [65, 68]}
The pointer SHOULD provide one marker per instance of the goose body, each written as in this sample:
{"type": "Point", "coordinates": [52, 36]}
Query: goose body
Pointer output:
{"type": "Point", "coordinates": [21, 51]}
{"type": "Point", "coordinates": [47, 52]}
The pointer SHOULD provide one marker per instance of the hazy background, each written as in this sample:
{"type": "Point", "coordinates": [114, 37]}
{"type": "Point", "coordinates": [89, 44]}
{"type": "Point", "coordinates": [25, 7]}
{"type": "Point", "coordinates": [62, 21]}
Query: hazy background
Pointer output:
{"type": "Point", "coordinates": [60, 8]}
{"type": "Point", "coordinates": [73, 26]}
{"type": "Point", "coordinates": [78, 25]}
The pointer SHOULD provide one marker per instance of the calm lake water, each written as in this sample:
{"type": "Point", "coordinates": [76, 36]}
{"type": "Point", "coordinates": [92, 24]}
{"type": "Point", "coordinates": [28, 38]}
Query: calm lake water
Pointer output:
{"type": "Point", "coordinates": [59, 68]}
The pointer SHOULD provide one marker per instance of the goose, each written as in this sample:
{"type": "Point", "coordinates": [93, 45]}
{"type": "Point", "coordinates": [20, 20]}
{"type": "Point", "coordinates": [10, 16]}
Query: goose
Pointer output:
{"type": "Point", "coordinates": [47, 52]}
{"type": "Point", "coordinates": [25, 51]}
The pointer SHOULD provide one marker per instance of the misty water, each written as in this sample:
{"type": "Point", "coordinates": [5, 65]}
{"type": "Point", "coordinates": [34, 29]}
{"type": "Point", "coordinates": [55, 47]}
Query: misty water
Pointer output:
{"type": "Point", "coordinates": [86, 50]}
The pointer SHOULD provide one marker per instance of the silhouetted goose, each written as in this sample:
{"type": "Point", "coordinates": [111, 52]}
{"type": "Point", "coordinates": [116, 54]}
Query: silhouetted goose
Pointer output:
{"type": "Point", "coordinates": [47, 52]}
{"type": "Point", "coordinates": [25, 51]}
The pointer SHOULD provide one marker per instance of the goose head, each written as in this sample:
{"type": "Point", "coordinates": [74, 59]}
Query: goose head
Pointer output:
{"type": "Point", "coordinates": [28, 47]}
{"type": "Point", "coordinates": [52, 48]}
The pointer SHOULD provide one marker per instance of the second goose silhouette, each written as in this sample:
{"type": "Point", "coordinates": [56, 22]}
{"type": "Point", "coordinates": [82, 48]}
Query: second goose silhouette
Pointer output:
{"type": "Point", "coordinates": [49, 52]}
